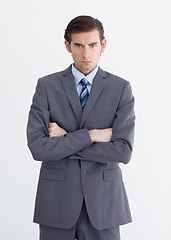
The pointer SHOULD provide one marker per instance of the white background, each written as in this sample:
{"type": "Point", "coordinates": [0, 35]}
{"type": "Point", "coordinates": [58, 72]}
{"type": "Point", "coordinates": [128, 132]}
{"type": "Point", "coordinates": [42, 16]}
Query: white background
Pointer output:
{"type": "Point", "coordinates": [138, 49]}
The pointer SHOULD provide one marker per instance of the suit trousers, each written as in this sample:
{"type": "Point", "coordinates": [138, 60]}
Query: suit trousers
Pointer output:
{"type": "Point", "coordinates": [83, 230]}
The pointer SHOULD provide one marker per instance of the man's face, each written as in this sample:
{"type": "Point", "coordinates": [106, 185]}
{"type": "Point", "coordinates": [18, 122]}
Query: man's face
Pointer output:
{"type": "Point", "coordinates": [86, 49]}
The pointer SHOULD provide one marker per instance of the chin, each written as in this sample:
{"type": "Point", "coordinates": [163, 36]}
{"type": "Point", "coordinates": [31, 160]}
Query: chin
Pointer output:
{"type": "Point", "coordinates": [86, 71]}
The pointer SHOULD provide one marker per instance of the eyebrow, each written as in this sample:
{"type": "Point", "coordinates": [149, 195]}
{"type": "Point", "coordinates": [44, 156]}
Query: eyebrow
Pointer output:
{"type": "Point", "coordinates": [93, 43]}
{"type": "Point", "coordinates": [88, 44]}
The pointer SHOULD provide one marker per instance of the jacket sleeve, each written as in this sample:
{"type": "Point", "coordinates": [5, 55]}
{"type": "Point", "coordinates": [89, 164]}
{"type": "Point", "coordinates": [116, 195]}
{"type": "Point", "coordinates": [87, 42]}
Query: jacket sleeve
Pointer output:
{"type": "Point", "coordinates": [119, 149]}
{"type": "Point", "coordinates": [43, 147]}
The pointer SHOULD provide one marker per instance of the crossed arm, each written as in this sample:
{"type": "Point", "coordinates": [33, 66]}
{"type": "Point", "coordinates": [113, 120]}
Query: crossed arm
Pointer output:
{"type": "Point", "coordinates": [49, 142]}
{"type": "Point", "coordinates": [96, 135]}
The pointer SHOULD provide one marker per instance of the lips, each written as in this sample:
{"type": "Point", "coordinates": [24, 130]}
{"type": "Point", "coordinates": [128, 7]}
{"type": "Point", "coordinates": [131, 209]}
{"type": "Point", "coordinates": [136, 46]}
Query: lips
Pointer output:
{"type": "Point", "coordinates": [86, 62]}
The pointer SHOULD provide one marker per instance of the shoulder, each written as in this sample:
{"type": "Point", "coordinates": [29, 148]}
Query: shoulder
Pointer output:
{"type": "Point", "coordinates": [116, 84]}
{"type": "Point", "coordinates": [114, 81]}
{"type": "Point", "coordinates": [54, 77]}
{"type": "Point", "coordinates": [51, 77]}
{"type": "Point", "coordinates": [114, 78]}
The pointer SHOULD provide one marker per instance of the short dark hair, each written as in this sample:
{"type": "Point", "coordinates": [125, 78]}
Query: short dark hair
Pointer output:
{"type": "Point", "coordinates": [83, 24]}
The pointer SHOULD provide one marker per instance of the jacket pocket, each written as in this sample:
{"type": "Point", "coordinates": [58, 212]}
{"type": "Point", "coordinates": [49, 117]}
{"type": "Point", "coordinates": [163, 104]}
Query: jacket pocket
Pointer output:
{"type": "Point", "coordinates": [62, 164]}
{"type": "Point", "coordinates": [112, 174]}
{"type": "Point", "coordinates": [53, 174]}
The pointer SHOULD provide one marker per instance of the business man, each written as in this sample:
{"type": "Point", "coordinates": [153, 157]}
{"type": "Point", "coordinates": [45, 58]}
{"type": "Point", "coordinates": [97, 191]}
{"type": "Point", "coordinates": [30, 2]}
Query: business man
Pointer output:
{"type": "Point", "coordinates": [81, 126]}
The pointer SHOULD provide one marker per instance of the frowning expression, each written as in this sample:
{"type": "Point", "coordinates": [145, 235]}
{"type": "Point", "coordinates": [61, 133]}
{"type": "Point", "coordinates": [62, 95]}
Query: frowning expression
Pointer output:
{"type": "Point", "coordinates": [86, 49]}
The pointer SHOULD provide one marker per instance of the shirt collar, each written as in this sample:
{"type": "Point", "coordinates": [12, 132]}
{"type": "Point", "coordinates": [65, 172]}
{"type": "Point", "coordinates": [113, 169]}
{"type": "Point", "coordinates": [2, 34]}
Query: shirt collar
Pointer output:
{"type": "Point", "coordinates": [78, 75]}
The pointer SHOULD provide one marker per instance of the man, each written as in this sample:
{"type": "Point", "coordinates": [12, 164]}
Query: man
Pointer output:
{"type": "Point", "coordinates": [81, 125]}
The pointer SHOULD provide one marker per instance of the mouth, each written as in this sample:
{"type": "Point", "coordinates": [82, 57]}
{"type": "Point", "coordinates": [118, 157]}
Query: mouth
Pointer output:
{"type": "Point", "coordinates": [86, 62]}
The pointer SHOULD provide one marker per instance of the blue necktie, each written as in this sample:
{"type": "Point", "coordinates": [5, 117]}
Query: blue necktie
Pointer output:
{"type": "Point", "coordinates": [84, 93]}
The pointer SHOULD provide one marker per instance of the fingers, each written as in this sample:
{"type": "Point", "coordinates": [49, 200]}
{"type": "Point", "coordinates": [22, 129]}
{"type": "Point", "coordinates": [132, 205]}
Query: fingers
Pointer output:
{"type": "Point", "coordinates": [52, 126]}
{"type": "Point", "coordinates": [50, 132]}
{"type": "Point", "coordinates": [55, 130]}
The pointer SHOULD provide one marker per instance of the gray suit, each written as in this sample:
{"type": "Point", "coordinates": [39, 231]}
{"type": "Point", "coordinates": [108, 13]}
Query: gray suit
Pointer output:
{"type": "Point", "coordinates": [73, 168]}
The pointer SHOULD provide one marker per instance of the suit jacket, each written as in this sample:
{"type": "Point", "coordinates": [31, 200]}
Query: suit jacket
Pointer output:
{"type": "Point", "coordinates": [73, 168]}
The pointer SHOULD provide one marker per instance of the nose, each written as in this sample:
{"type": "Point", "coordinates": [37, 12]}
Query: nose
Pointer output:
{"type": "Point", "coordinates": [86, 53]}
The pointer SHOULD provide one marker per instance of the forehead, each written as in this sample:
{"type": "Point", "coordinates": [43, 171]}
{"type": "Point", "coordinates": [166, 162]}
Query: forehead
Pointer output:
{"type": "Point", "coordinates": [85, 37]}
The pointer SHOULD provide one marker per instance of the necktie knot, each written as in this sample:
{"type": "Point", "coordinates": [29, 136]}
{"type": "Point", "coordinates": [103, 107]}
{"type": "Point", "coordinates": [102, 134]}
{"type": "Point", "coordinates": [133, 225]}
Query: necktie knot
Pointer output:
{"type": "Point", "coordinates": [84, 82]}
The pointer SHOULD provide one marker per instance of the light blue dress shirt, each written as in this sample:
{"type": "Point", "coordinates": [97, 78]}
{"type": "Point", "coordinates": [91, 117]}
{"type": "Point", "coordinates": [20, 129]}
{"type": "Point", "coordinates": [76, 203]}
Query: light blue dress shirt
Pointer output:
{"type": "Point", "coordinates": [78, 76]}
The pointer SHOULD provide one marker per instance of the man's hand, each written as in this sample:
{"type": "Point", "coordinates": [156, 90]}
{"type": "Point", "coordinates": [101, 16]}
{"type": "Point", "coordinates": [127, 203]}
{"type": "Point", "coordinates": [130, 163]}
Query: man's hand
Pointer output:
{"type": "Point", "coordinates": [100, 135]}
{"type": "Point", "coordinates": [96, 135]}
{"type": "Point", "coordinates": [55, 130]}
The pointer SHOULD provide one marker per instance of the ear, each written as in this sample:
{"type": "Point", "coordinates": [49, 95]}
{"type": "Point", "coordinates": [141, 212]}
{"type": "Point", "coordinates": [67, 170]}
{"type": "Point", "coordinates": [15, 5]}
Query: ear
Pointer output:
{"type": "Point", "coordinates": [67, 45]}
{"type": "Point", "coordinates": [103, 45]}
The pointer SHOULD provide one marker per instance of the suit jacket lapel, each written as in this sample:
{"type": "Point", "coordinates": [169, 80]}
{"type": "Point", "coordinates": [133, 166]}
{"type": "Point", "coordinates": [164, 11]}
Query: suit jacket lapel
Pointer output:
{"type": "Point", "coordinates": [96, 89]}
{"type": "Point", "coordinates": [71, 91]}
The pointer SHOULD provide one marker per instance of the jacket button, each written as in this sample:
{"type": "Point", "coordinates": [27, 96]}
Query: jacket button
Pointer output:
{"type": "Point", "coordinates": [84, 172]}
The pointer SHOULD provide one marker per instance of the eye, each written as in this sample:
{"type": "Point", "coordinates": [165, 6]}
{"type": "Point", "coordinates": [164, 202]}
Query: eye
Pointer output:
{"type": "Point", "coordinates": [78, 45]}
{"type": "Point", "coordinates": [93, 45]}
